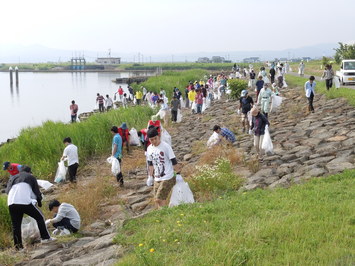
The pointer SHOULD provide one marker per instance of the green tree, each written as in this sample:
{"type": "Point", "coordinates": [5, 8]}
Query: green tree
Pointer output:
{"type": "Point", "coordinates": [237, 85]}
{"type": "Point", "coordinates": [345, 51]}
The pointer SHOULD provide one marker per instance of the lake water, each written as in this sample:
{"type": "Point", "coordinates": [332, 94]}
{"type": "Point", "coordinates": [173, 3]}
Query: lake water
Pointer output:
{"type": "Point", "coordinates": [47, 96]}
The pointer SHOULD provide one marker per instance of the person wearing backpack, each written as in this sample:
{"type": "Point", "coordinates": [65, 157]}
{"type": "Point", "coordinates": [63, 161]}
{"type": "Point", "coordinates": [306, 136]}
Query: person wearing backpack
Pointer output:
{"type": "Point", "coordinates": [246, 103]}
{"type": "Point", "coordinates": [74, 111]}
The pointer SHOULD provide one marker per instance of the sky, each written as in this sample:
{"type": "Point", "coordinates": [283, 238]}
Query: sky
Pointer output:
{"type": "Point", "coordinates": [176, 26]}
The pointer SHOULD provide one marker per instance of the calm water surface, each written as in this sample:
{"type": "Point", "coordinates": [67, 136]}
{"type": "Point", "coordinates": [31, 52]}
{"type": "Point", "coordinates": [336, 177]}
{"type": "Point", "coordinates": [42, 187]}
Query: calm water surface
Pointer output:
{"type": "Point", "coordinates": [47, 96]}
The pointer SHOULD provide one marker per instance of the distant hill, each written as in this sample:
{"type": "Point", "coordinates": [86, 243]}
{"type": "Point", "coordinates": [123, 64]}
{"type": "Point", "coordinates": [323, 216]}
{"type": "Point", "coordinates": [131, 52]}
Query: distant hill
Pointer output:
{"type": "Point", "coordinates": [39, 53]}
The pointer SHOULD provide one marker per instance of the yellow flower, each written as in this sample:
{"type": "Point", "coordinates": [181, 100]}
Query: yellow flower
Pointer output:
{"type": "Point", "coordinates": [179, 224]}
{"type": "Point", "coordinates": [182, 214]}
{"type": "Point", "coordinates": [176, 240]}
{"type": "Point", "coordinates": [164, 240]}
{"type": "Point", "coordinates": [157, 221]}
{"type": "Point", "coordinates": [151, 250]}
{"type": "Point", "coordinates": [140, 245]}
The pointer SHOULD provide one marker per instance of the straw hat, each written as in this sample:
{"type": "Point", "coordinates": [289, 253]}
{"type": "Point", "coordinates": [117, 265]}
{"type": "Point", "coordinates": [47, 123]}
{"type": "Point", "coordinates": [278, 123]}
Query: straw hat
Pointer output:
{"type": "Point", "coordinates": [254, 111]}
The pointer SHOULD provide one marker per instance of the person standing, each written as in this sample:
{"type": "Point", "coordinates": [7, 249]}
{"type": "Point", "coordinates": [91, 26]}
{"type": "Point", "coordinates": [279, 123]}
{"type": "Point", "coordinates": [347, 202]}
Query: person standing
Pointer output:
{"type": "Point", "coordinates": [259, 86]}
{"type": "Point", "coordinates": [124, 101]}
{"type": "Point", "coordinates": [117, 152]}
{"type": "Point", "coordinates": [71, 154]}
{"type": "Point", "coordinates": [328, 75]}
{"type": "Point", "coordinates": [192, 96]}
{"type": "Point", "coordinates": [175, 107]}
{"type": "Point", "coordinates": [199, 101]}
{"type": "Point", "coordinates": [23, 195]}
{"type": "Point", "coordinates": [108, 103]}
{"type": "Point", "coordinates": [131, 93]}
{"type": "Point", "coordinates": [264, 99]}
{"type": "Point", "coordinates": [124, 133]}
{"type": "Point", "coordinates": [144, 93]}
{"type": "Point", "coordinates": [139, 97]}
{"type": "Point", "coordinates": [12, 168]}
{"type": "Point", "coordinates": [162, 163]}
{"type": "Point", "coordinates": [74, 111]}
{"type": "Point", "coordinates": [246, 103]}
{"type": "Point", "coordinates": [252, 81]}
{"type": "Point", "coordinates": [301, 68]}
{"type": "Point", "coordinates": [120, 93]}
{"type": "Point", "coordinates": [272, 74]}
{"type": "Point", "coordinates": [309, 88]}
{"type": "Point", "coordinates": [100, 100]}
{"type": "Point", "coordinates": [259, 122]}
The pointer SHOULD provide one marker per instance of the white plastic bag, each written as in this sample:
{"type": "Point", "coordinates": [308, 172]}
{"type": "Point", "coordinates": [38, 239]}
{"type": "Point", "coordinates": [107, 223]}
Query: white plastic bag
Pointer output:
{"type": "Point", "coordinates": [161, 114]}
{"type": "Point", "coordinates": [165, 136]}
{"type": "Point", "coordinates": [115, 165]}
{"type": "Point", "coordinates": [213, 140]}
{"type": "Point", "coordinates": [194, 107]}
{"type": "Point", "coordinates": [44, 184]}
{"type": "Point", "coordinates": [267, 143]}
{"type": "Point", "coordinates": [133, 138]}
{"type": "Point", "coordinates": [276, 101]}
{"type": "Point", "coordinates": [29, 230]}
{"type": "Point", "coordinates": [250, 118]}
{"type": "Point", "coordinates": [266, 79]}
{"type": "Point", "coordinates": [336, 82]}
{"type": "Point", "coordinates": [179, 117]}
{"type": "Point", "coordinates": [290, 69]}
{"type": "Point", "coordinates": [181, 193]}
{"type": "Point", "coordinates": [61, 172]}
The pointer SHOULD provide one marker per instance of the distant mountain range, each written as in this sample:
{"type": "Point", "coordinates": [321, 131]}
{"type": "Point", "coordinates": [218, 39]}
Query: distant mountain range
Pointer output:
{"type": "Point", "coordinates": [37, 53]}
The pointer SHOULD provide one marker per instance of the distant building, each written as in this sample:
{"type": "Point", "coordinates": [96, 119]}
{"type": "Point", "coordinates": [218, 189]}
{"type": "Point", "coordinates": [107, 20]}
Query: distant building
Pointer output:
{"type": "Point", "coordinates": [217, 59]}
{"type": "Point", "coordinates": [203, 60]}
{"type": "Point", "coordinates": [108, 60]}
{"type": "Point", "coordinates": [251, 60]}
{"type": "Point", "coordinates": [306, 59]}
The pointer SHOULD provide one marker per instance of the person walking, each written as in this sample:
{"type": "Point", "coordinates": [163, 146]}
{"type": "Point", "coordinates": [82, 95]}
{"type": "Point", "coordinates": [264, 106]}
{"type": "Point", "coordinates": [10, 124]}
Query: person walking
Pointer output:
{"type": "Point", "coordinates": [259, 85]}
{"type": "Point", "coordinates": [192, 96]}
{"type": "Point", "coordinates": [108, 103]}
{"type": "Point", "coordinates": [139, 97]}
{"type": "Point", "coordinates": [199, 101]}
{"type": "Point", "coordinates": [12, 168]}
{"type": "Point", "coordinates": [175, 107]}
{"type": "Point", "coordinates": [301, 68]}
{"type": "Point", "coordinates": [23, 195]}
{"type": "Point", "coordinates": [100, 100]}
{"type": "Point", "coordinates": [252, 81]}
{"type": "Point", "coordinates": [74, 111]}
{"type": "Point", "coordinates": [264, 99]}
{"type": "Point", "coordinates": [272, 74]}
{"type": "Point", "coordinates": [259, 122]}
{"type": "Point", "coordinates": [120, 93]}
{"type": "Point", "coordinates": [144, 93]}
{"type": "Point", "coordinates": [131, 93]}
{"type": "Point", "coordinates": [309, 88]}
{"type": "Point", "coordinates": [246, 103]}
{"type": "Point", "coordinates": [71, 154]}
{"type": "Point", "coordinates": [124, 101]}
{"type": "Point", "coordinates": [124, 133]}
{"type": "Point", "coordinates": [161, 163]}
{"type": "Point", "coordinates": [328, 75]}
{"type": "Point", "coordinates": [117, 152]}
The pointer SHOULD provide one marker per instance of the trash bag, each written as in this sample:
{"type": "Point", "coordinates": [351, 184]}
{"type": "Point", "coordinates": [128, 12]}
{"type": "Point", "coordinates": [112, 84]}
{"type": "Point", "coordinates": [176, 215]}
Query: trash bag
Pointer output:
{"type": "Point", "coordinates": [29, 230]}
{"type": "Point", "coordinates": [165, 136]}
{"type": "Point", "coordinates": [179, 117]}
{"type": "Point", "coordinates": [134, 139]}
{"type": "Point", "coordinates": [194, 107]}
{"type": "Point", "coordinates": [266, 80]}
{"type": "Point", "coordinates": [213, 140]}
{"type": "Point", "coordinates": [203, 105]}
{"type": "Point", "coordinates": [336, 82]}
{"type": "Point", "coordinates": [267, 143]}
{"type": "Point", "coordinates": [250, 118]}
{"type": "Point", "coordinates": [276, 102]}
{"type": "Point", "coordinates": [181, 193]}
{"type": "Point", "coordinates": [182, 103]}
{"type": "Point", "coordinates": [161, 114]}
{"type": "Point", "coordinates": [44, 184]}
{"type": "Point", "coordinates": [115, 165]}
{"type": "Point", "coordinates": [290, 69]}
{"type": "Point", "coordinates": [208, 102]}
{"type": "Point", "coordinates": [61, 172]}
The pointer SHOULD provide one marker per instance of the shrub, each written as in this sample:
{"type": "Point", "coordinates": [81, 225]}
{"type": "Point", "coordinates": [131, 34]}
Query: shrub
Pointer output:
{"type": "Point", "coordinates": [237, 85]}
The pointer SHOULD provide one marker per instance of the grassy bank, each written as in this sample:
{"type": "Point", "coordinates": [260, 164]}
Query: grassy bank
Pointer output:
{"type": "Point", "coordinates": [41, 147]}
{"type": "Point", "coordinates": [346, 93]}
{"type": "Point", "coordinates": [309, 224]}
{"type": "Point", "coordinates": [227, 67]}
{"type": "Point", "coordinates": [314, 68]}
{"type": "Point", "coordinates": [5, 223]}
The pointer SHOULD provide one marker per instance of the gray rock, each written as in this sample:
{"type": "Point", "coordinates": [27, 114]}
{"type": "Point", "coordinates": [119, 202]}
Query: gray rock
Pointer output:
{"type": "Point", "coordinates": [315, 172]}
{"type": "Point", "coordinates": [101, 242]}
{"type": "Point", "coordinates": [334, 168]}
{"type": "Point", "coordinates": [83, 241]}
{"type": "Point", "coordinates": [319, 160]}
{"type": "Point", "coordinates": [253, 186]}
{"type": "Point", "coordinates": [188, 157]}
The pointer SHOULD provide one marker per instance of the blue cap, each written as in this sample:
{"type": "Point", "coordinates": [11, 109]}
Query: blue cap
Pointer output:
{"type": "Point", "coordinates": [5, 165]}
{"type": "Point", "coordinates": [124, 126]}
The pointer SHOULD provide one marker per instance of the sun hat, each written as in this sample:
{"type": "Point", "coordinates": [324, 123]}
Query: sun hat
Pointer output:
{"type": "Point", "coordinates": [254, 111]}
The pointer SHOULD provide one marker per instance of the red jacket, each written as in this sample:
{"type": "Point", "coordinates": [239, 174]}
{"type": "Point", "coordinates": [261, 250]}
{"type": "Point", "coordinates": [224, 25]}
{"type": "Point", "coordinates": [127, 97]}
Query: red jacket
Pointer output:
{"type": "Point", "coordinates": [120, 91]}
{"type": "Point", "coordinates": [124, 133]}
{"type": "Point", "coordinates": [156, 124]}
{"type": "Point", "coordinates": [13, 169]}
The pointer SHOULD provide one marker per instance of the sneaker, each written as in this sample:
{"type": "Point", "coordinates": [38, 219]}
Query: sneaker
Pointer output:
{"type": "Point", "coordinates": [56, 232]}
{"type": "Point", "coordinates": [64, 232]}
{"type": "Point", "coordinates": [48, 240]}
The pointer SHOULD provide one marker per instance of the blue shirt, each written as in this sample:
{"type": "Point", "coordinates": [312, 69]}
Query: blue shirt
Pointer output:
{"type": "Point", "coordinates": [309, 88]}
{"type": "Point", "coordinates": [118, 141]}
{"type": "Point", "coordinates": [229, 135]}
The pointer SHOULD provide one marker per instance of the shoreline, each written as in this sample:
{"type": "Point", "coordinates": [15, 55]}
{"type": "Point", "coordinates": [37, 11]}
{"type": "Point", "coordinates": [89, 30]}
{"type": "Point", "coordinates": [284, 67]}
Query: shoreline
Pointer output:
{"type": "Point", "coordinates": [81, 71]}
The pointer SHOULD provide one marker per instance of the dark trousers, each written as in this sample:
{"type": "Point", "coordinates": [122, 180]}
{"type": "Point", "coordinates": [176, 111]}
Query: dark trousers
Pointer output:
{"type": "Point", "coordinates": [119, 176]}
{"type": "Point", "coordinates": [65, 223]}
{"type": "Point", "coordinates": [199, 108]}
{"type": "Point", "coordinates": [138, 101]}
{"type": "Point", "coordinates": [329, 83]}
{"type": "Point", "coordinates": [16, 212]}
{"type": "Point", "coordinates": [174, 115]}
{"type": "Point", "coordinates": [101, 107]}
{"type": "Point", "coordinates": [73, 118]}
{"type": "Point", "coordinates": [72, 172]}
{"type": "Point", "coordinates": [272, 78]}
{"type": "Point", "coordinates": [310, 102]}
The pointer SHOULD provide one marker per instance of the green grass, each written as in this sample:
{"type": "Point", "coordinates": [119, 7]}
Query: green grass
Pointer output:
{"type": "Point", "coordinates": [227, 67]}
{"type": "Point", "coordinates": [314, 67]}
{"type": "Point", "coordinates": [308, 224]}
{"type": "Point", "coordinates": [41, 147]}
{"type": "Point", "coordinates": [5, 223]}
{"type": "Point", "coordinates": [333, 93]}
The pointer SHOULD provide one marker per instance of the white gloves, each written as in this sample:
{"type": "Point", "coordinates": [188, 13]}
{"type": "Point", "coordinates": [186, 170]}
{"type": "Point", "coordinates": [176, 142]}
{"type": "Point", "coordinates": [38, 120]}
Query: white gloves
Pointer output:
{"type": "Point", "coordinates": [150, 181]}
{"type": "Point", "coordinates": [250, 132]}
{"type": "Point", "coordinates": [48, 222]}
{"type": "Point", "coordinates": [238, 112]}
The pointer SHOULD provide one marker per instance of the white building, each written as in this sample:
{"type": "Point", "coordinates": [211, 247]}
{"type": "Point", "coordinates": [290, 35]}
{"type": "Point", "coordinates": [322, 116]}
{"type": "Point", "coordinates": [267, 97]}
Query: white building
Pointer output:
{"type": "Point", "coordinates": [108, 60]}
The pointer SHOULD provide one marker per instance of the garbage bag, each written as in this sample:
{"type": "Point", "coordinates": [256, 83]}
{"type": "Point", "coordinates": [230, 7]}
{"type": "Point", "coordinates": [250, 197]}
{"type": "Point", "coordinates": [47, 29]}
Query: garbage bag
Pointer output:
{"type": "Point", "coordinates": [161, 114]}
{"type": "Point", "coordinates": [134, 139]}
{"type": "Point", "coordinates": [267, 143]}
{"type": "Point", "coordinates": [29, 230]}
{"type": "Point", "coordinates": [44, 184]}
{"type": "Point", "coordinates": [181, 193]}
{"type": "Point", "coordinates": [61, 172]}
{"type": "Point", "coordinates": [165, 136]}
{"type": "Point", "coordinates": [276, 102]}
{"type": "Point", "coordinates": [179, 117]}
{"type": "Point", "coordinates": [266, 79]}
{"type": "Point", "coordinates": [250, 118]}
{"type": "Point", "coordinates": [213, 140]}
{"type": "Point", "coordinates": [290, 69]}
{"type": "Point", "coordinates": [336, 82]}
{"type": "Point", "coordinates": [194, 107]}
{"type": "Point", "coordinates": [115, 165]}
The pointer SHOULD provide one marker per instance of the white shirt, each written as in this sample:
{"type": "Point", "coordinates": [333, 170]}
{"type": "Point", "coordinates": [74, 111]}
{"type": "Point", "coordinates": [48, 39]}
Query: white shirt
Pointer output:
{"type": "Point", "coordinates": [66, 210]}
{"type": "Point", "coordinates": [161, 157]}
{"type": "Point", "coordinates": [109, 102]}
{"type": "Point", "coordinates": [21, 193]}
{"type": "Point", "coordinates": [71, 152]}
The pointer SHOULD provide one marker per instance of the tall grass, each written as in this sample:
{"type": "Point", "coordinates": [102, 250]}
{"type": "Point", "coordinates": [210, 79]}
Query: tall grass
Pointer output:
{"type": "Point", "coordinates": [309, 224]}
{"type": "Point", "coordinates": [333, 93]}
{"type": "Point", "coordinates": [5, 223]}
{"type": "Point", "coordinates": [41, 147]}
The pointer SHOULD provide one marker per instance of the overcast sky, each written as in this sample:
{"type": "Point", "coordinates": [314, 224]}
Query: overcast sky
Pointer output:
{"type": "Point", "coordinates": [176, 26]}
